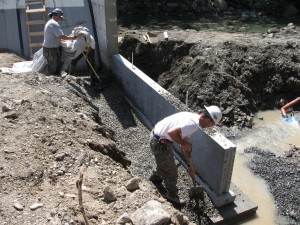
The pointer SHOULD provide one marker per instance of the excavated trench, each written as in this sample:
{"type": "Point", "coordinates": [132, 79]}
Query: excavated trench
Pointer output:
{"type": "Point", "coordinates": [243, 78]}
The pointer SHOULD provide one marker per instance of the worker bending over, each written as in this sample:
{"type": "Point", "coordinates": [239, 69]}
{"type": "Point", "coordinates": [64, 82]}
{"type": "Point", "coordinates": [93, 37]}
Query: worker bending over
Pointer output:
{"type": "Point", "coordinates": [89, 55]}
{"type": "Point", "coordinates": [178, 128]}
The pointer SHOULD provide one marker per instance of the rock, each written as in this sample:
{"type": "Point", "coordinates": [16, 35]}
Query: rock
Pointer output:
{"type": "Point", "coordinates": [152, 213]}
{"type": "Point", "coordinates": [60, 156]}
{"type": "Point", "coordinates": [70, 196]}
{"type": "Point", "coordinates": [109, 195]}
{"type": "Point", "coordinates": [13, 116]}
{"type": "Point", "coordinates": [133, 184]}
{"type": "Point", "coordinates": [123, 219]}
{"type": "Point", "coordinates": [18, 206]}
{"type": "Point", "coordinates": [273, 30]}
{"type": "Point", "coordinates": [5, 108]}
{"type": "Point", "coordinates": [36, 206]}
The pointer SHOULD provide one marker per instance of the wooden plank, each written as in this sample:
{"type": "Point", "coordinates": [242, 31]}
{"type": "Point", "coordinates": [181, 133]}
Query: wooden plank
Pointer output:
{"type": "Point", "coordinates": [41, 10]}
{"type": "Point", "coordinates": [35, 45]}
{"type": "Point", "coordinates": [35, 22]}
{"type": "Point", "coordinates": [38, 33]}
{"type": "Point", "coordinates": [34, 1]}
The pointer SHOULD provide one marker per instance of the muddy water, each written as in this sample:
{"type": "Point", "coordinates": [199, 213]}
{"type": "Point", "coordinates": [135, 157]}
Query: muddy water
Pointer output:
{"type": "Point", "coordinates": [272, 133]}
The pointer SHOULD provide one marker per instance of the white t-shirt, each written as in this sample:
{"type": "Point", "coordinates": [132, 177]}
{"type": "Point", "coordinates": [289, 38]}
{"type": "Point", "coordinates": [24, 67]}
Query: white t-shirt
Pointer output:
{"type": "Point", "coordinates": [52, 31]}
{"type": "Point", "coordinates": [187, 121]}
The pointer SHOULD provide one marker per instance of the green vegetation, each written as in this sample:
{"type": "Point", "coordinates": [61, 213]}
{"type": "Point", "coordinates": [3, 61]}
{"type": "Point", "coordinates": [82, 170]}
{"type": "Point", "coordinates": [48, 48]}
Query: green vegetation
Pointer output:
{"type": "Point", "coordinates": [268, 6]}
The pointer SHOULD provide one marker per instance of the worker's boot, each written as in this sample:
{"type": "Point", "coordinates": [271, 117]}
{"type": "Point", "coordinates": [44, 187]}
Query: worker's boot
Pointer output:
{"type": "Point", "coordinates": [155, 177]}
{"type": "Point", "coordinates": [174, 198]}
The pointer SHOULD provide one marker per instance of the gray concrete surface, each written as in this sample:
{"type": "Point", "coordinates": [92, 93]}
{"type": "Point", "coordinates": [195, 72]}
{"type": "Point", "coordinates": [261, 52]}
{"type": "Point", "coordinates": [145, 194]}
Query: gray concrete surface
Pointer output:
{"type": "Point", "coordinates": [105, 13]}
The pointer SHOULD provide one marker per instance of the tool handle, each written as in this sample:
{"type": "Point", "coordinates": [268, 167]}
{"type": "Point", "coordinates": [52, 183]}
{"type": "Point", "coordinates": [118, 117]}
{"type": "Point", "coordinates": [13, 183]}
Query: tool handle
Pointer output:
{"type": "Point", "coordinates": [194, 181]}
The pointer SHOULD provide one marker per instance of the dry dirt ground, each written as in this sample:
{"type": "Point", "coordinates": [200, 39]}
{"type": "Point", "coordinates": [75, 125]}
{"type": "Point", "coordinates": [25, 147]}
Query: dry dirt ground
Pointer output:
{"type": "Point", "coordinates": [51, 129]}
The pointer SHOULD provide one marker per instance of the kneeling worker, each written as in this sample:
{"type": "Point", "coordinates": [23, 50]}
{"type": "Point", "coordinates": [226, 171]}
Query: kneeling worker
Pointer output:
{"type": "Point", "coordinates": [89, 55]}
{"type": "Point", "coordinates": [178, 127]}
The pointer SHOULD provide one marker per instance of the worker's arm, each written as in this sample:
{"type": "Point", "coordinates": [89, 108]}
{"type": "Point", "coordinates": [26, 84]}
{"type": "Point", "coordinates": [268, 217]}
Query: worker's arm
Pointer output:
{"type": "Point", "coordinates": [88, 51]}
{"type": "Point", "coordinates": [65, 37]}
{"type": "Point", "coordinates": [186, 146]}
{"type": "Point", "coordinates": [288, 105]}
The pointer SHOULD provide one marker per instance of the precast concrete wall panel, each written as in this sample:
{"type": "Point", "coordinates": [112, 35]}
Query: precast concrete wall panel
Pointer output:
{"type": "Point", "coordinates": [99, 15]}
{"type": "Point", "coordinates": [143, 93]}
{"type": "Point", "coordinates": [213, 160]}
{"type": "Point", "coordinates": [105, 14]}
{"type": "Point", "coordinates": [9, 34]}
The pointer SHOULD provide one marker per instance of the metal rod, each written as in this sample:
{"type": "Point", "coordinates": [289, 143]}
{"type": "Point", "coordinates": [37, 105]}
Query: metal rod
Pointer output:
{"type": "Point", "coordinates": [132, 59]}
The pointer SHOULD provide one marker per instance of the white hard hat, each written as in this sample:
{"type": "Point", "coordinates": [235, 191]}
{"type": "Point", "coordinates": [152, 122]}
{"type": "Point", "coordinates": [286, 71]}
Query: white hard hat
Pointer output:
{"type": "Point", "coordinates": [214, 112]}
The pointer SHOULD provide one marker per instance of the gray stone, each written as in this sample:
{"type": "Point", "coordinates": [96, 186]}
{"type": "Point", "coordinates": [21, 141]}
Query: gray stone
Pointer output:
{"type": "Point", "coordinates": [109, 195]}
{"type": "Point", "coordinates": [133, 184]}
{"type": "Point", "coordinates": [18, 206]}
{"type": "Point", "coordinates": [36, 206]}
{"type": "Point", "coordinates": [123, 219]}
{"type": "Point", "coordinates": [152, 213]}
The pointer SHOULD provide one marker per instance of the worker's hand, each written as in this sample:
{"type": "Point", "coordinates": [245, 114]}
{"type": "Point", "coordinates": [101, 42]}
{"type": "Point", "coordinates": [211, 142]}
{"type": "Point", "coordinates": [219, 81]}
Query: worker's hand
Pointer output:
{"type": "Point", "coordinates": [186, 146]}
{"type": "Point", "coordinates": [191, 171]}
{"type": "Point", "coordinates": [85, 54]}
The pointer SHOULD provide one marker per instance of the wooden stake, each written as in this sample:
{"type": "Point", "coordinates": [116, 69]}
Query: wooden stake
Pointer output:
{"type": "Point", "coordinates": [166, 35]}
{"type": "Point", "coordinates": [148, 38]}
{"type": "Point", "coordinates": [79, 187]}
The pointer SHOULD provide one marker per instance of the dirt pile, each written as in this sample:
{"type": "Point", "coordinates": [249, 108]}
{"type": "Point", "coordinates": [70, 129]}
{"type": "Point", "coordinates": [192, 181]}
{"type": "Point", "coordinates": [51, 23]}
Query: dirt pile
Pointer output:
{"type": "Point", "coordinates": [51, 129]}
{"type": "Point", "coordinates": [241, 73]}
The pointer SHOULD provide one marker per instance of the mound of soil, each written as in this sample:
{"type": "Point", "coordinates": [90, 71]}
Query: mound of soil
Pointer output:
{"type": "Point", "coordinates": [242, 73]}
{"type": "Point", "coordinates": [51, 131]}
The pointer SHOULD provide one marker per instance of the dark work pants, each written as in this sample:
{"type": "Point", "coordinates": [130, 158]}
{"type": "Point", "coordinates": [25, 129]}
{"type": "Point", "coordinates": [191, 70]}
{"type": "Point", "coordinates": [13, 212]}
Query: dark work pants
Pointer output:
{"type": "Point", "coordinates": [91, 58]}
{"type": "Point", "coordinates": [53, 57]}
{"type": "Point", "coordinates": [165, 163]}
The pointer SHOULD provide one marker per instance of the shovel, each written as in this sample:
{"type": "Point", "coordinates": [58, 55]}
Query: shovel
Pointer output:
{"type": "Point", "coordinates": [196, 192]}
{"type": "Point", "coordinates": [88, 61]}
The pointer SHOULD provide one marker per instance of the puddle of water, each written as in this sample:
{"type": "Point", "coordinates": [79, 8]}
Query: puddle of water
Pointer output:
{"type": "Point", "coordinates": [273, 134]}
